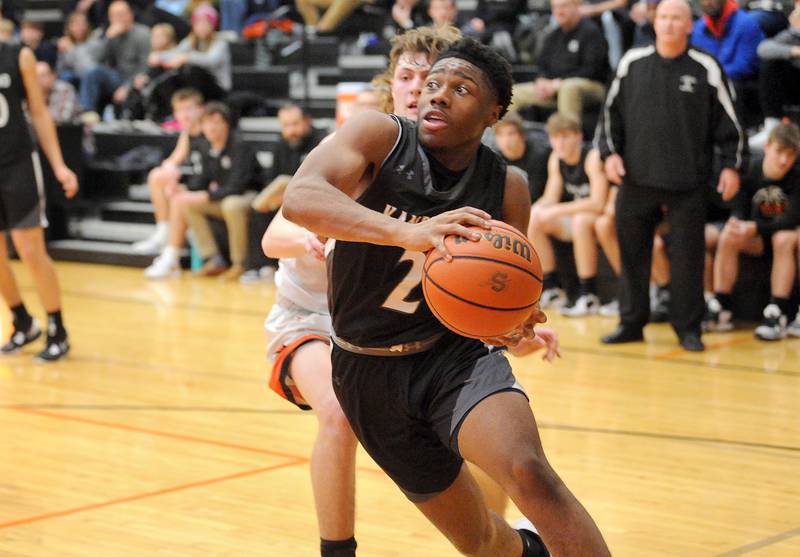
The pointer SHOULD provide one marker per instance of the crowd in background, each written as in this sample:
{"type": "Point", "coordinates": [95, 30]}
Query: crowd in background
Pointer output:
{"type": "Point", "coordinates": [163, 60]}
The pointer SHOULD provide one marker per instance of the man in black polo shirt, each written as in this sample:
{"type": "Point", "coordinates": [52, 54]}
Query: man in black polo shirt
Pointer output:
{"type": "Point", "coordinates": [573, 65]}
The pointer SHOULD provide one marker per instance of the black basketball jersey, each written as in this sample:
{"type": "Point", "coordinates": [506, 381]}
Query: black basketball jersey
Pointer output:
{"type": "Point", "coordinates": [15, 139]}
{"type": "Point", "coordinates": [375, 294]}
{"type": "Point", "coordinates": [576, 182]}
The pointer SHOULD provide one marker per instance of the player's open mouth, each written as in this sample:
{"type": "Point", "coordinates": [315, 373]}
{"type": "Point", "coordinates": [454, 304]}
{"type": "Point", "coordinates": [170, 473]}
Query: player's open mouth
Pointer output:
{"type": "Point", "coordinates": [434, 120]}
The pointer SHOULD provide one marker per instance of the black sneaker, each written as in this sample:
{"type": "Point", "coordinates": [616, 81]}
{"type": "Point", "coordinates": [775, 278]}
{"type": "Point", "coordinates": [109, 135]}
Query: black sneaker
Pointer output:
{"type": "Point", "coordinates": [53, 351]}
{"type": "Point", "coordinates": [21, 338]}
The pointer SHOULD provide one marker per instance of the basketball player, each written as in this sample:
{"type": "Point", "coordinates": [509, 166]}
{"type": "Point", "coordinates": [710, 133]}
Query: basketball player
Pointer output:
{"type": "Point", "coordinates": [419, 398]}
{"type": "Point", "coordinates": [22, 200]}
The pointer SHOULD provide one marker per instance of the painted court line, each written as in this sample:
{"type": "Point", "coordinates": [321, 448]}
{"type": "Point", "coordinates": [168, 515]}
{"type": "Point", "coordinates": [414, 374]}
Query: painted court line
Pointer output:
{"type": "Point", "coordinates": [745, 549]}
{"type": "Point", "coordinates": [148, 494]}
{"type": "Point", "coordinates": [710, 346]}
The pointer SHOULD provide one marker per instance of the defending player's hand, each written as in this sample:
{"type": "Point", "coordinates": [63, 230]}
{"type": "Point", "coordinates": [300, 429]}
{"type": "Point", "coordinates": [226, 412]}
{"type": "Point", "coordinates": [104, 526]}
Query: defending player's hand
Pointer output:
{"type": "Point", "coordinates": [68, 181]}
{"type": "Point", "coordinates": [315, 246]}
{"type": "Point", "coordinates": [524, 332]}
{"type": "Point", "coordinates": [430, 234]}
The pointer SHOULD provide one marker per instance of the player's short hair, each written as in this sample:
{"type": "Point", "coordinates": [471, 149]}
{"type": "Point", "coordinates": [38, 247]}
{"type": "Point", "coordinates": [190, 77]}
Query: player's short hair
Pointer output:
{"type": "Point", "coordinates": [512, 119]}
{"type": "Point", "coordinates": [426, 40]}
{"type": "Point", "coordinates": [560, 123]}
{"type": "Point", "coordinates": [218, 108]}
{"type": "Point", "coordinates": [787, 135]}
{"type": "Point", "coordinates": [495, 68]}
{"type": "Point", "coordinates": [187, 94]}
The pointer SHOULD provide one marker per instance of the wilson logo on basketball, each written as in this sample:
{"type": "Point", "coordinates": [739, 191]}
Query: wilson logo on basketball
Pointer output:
{"type": "Point", "coordinates": [504, 242]}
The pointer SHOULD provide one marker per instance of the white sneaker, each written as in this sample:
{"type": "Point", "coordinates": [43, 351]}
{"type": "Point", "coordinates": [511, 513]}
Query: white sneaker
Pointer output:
{"type": "Point", "coordinates": [525, 524]}
{"type": "Point", "coordinates": [151, 245]}
{"type": "Point", "coordinates": [773, 326]}
{"type": "Point", "coordinates": [163, 266]}
{"type": "Point", "coordinates": [717, 319]}
{"type": "Point", "coordinates": [552, 298]}
{"type": "Point", "coordinates": [611, 309]}
{"type": "Point", "coordinates": [587, 304]}
{"type": "Point", "coordinates": [793, 330]}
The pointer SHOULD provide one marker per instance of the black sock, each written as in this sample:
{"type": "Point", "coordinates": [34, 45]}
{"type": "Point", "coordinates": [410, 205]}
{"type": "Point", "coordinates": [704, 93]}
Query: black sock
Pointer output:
{"type": "Point", "coordinates": [550, 280]}
{"type": "Point", "coordinates": [55, 326]}
{"type": "Point", "coordinates": [782, 303]}
{"type": "Point", "coordinates": [22, 319]}
{"type": "Point", "coordinates": [723, 299]}
{"type": "Point", "coordinates": [532, 544]}
{"type": "Point", "coordinates": [663, 290]}
{"type": "Point", "coordinates": [587, 286]}
{"type": "Point", "coordinates": [338, 548]}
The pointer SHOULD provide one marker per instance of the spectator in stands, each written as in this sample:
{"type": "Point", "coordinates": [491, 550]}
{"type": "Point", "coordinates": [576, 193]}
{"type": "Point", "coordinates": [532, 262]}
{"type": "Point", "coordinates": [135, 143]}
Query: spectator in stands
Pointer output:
{"type": "Point", "coordinates": [60, 96]}
{"type": "Point", "coordinates": [572, 64]}
{"type": "Point", "coordinates": [230, 176]}
{"type": "Point", "coordinates": [6, 31]}
{"type": "Point", "coordinates": [31, 34]}
{"type": "Point", "coordinates": [407, 14]}
{"type": "Point", "coordinates": [732, 35]}
{"type": "Point", "coordinates": [521, 153]}
{"type": "Point", "coordinates": [170, 178]}
{"type": "Point", "coordinates": [643, 13]}
{"type": "Point", "coordinates": [201, 61]}
{"type": "Point", "coordinates": [779, 78]}
{"type": "Point", "coordinates": [494, 24]}
{"type": "Point", "coordinates": [769, 14]}
{"type": "Point", "coordinates": [298, 138]}
{"type": "Point", "coordinates": [767, 216]}
{"type": "Point", "coordinates": [162, 39]}
{"type": "Point", "coordinates": [646, 104]}
{"type": "Point", "coordinates": [124, 46]}
{"type": "Point", "coordinates": [444, 12]}
{"type": "Point", "coordinates": [336, 11]}
{"type": "Point", "coordinates": [610, 15]}
{"type": "Point", "coordinates": [573, 198]}
{"type": "Point", "coordinates": [78, 50]}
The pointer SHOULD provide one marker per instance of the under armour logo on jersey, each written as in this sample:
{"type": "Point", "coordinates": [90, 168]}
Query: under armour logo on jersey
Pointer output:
{"type": "Point", "coordinates": [687, 83]}
{"type": "Point", "coordinates": [403, 170]}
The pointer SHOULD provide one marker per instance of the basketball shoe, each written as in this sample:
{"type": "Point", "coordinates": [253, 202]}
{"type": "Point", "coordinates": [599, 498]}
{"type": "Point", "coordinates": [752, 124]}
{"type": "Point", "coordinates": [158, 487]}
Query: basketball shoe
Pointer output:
{"type": "Point", "coordinates": [773, 325]}
{"type": "Point", "coordinates": [21, 338]}
{"type": "Point", "coordinates": [586, 304]}
{"type": "Point", "coordinates": [717, 318]}
{"type": "Point", "coordinates": [552, 298]}
{"type": "Point", "coordinates": [532, 532]}
{"type": "Point", "coordinates": [53, 351]}
{"type": "Point", "coordinates": [164, 266]}
{"type": "Point", "coordinates": [611, 309]}
{"type": "Point", "coordinates": [793, 329]}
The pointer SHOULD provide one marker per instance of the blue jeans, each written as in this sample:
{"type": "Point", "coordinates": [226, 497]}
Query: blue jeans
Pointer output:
{"type": "Point", "coordinates": [231, 15]}
{"type": "Point", "coordinates": [97, 87]}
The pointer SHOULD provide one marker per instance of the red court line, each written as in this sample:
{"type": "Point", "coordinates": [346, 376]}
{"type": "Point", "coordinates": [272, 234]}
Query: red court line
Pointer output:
{"type": "Point", "coordinates": [711, 346]}
{"type": "Point", "coordinates": [170, 435]}
{"type": "Point", "coordinates": [181, 436]}
{"type": "Point", "coordinates": [145, 495]}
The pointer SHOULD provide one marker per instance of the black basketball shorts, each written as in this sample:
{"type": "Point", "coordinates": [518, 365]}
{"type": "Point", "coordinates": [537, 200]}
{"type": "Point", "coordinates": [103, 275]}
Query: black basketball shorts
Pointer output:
{"type": "Point", "coordinates": [22, 194]}
{"type": "Point", "coordinates": [406, 410]}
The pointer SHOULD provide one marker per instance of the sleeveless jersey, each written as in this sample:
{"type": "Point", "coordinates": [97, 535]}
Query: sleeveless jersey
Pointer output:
{"type": "Point", "coordinates": [303, 282]}
{"type": "Point", "coordinates": [576, 182]}
{"type": "Point", "coordinates": [375, 293]}
{"type": "Point", "coordinates": [15, 139]}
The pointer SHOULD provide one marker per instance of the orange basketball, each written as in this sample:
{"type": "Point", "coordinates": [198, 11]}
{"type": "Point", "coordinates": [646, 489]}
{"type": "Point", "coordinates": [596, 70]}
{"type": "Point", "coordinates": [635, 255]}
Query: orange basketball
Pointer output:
{"type": "Point", "coordinates": [491, 285]}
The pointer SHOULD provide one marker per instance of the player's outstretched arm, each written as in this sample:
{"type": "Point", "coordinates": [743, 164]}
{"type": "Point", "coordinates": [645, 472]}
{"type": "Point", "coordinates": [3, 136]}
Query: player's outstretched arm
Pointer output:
{"type": "Point", "coordinates": [284, 239]}
{"type": "Point", "coordinates": [43, 123]}
{"type": "Point", "coordinates": [321, 196]}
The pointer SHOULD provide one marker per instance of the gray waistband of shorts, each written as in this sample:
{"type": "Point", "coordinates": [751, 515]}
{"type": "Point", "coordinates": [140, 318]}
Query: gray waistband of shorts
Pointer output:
{"type": "Point", "coordinates": [404, 349]}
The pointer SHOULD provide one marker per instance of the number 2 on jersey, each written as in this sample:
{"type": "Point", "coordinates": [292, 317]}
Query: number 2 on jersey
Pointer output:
{"type": "Point", "coordinates": [4, 112]}
{"type": "Point", "coordinates": [396, 300]}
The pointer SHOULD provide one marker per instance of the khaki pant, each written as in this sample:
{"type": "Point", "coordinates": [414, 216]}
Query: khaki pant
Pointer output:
{"type": "Point", "coordinates": [335, 12]}
{"type": "Point", "coordinates": [235, 211]}
{"type": "Point", "coordinates": [572, 95]}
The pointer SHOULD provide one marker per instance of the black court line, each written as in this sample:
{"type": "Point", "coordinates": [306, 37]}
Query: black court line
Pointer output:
{"type": "Point", "coordinates": [679, 361]}
{"type": "Point", "coordinates": [297, 412]}
{"type": "Point", "coordinates": [745, 549]}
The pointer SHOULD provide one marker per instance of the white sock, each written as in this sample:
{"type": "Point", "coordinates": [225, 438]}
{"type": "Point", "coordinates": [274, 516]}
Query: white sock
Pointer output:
{"type": "Point", "coordinates": [171, 253]}
{"type": "Point", "coordinates": [162, 231]}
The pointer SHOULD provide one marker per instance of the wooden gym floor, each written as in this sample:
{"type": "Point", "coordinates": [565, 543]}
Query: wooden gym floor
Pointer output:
{"type": "Point", "coordinates": [158, 436]}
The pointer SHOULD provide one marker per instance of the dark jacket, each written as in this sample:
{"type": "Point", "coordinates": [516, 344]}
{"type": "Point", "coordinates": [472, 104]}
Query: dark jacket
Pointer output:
{"type": "Point", "coordinates": [666, 116]}
{"type": "Point", "coordinates": [580, 52]}
{"type": "Point", "coordinates": [232, 171]}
